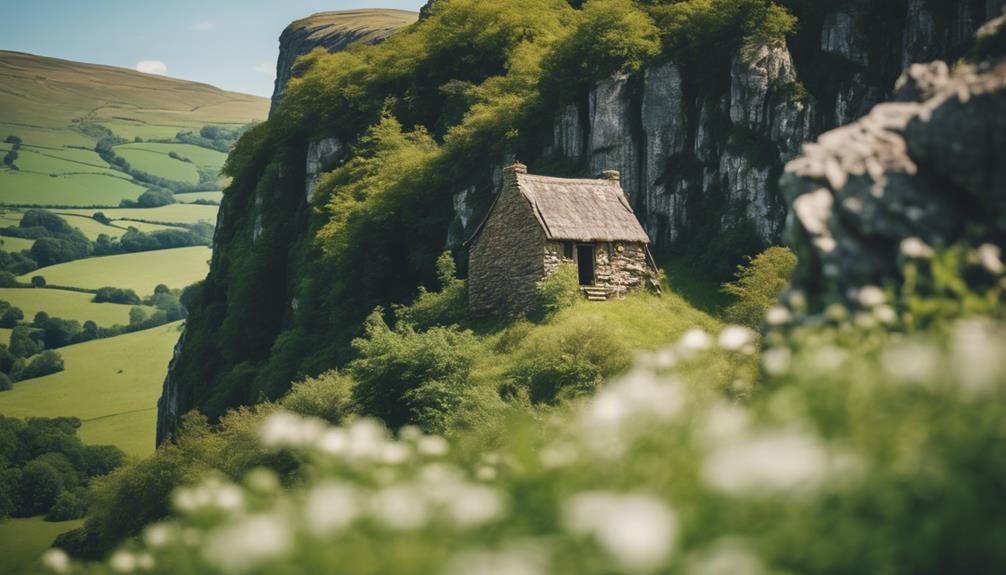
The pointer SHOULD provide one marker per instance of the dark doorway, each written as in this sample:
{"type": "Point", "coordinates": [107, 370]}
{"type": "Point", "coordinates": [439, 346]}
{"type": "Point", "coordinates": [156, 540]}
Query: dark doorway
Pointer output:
{"type": "Point", "coordinates": [585, 264]}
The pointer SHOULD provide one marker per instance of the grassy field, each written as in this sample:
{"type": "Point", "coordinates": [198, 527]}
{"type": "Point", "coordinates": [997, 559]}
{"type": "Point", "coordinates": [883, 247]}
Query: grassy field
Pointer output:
{"type": "Point", "coordinates": [67, 305]}
{"type": "Point", "coordinates": [198, 155]}
{"type": "Point", "coordinates": [159, 164]}
{"type": "Point", "coordinates": [174, 214]}
{"type": "Point", "coordinates": [145, 227]}
{"type": "Point", "coordinates": [111, 384]}
{"type": "Point", "coordinates": [48, 102]}
{"type": "Point", "coordinates": [23, 188]}
{"type": "Point", "coordinates": [140, 271]}
{"type": "Point", "coordinates": [195, 196]}
{"type": "Point", "coordinates": [23, 540]}
{"type": "Point", "coordinates": [9, 244]}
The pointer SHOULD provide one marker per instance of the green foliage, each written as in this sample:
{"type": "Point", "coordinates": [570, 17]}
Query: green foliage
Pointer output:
{"type": "Point", "coordinates": [953, 283]}
{"type": "Point", "coordinates": [44, 363]}
{"type": "Point", "coordinates": [558, 291]}
{"type": "Point", "coordinates": [402, 375]}
{"type": "Point", "coordinates": [689, 27]}
{"type": "Point", "coordinates": [68, 505]}
{"type": "Point", "coordinates": [110, 294]}
{"type": "Point", "coordinates": [758, 286]}
{"type": "Point", "coordinates": [609, 36]}
{"type": "Point", "coordinates": [328, 396]}
{"type": "Point", "coordinates": [569, 363]}
{"type": "Point", "coordinates": [449, 306]}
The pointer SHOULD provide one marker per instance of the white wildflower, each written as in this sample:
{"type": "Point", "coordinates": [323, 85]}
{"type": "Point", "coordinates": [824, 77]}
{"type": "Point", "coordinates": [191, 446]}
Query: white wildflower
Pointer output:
{"type": "Point", "coordinates": [123, 562]}
{"type": "Point", "coordinates": [556, 455]}
{"type": "Point", "coordinates": [871, 296]}
{"type": "Point", "coordinates": [836, 312]}
{"type": "Point", "coordinates": [777, 360]}
{"type": "Point", "coordinates": [637, 531]}
{"type": "Point", "coordinates": [829, 358]}
{"type": "Point", "coordinates": [990, 256]}
{"type": "Point", "coordinates": [885, 314]}
{"type": "Point", "coordinates": [768, 463]}
{"type": "Point", "coordinates": [400, 507]}
{"type": "Point", "coordinates": [777, 315]}
{"type": "Point", "coordinates": [432, 446]}
{"type": "Point", "coordinates": [915, 248]}
{"type": "Point", "coordinates": [726, 557]}
{"type": "Point", "coordinates": [394, 453]}
{"type": "Point", "coordinates": [910, 361]}
{"type": "Point", "coordinates": [695, 340]}
{"type": "Point", "coordinates": [473, 505]}
{"type": "Point", "coordinates": [485, 473]}
{"type": "Point", "coordinates": [737, 338]}
{"type": "Point", "coordinates": [144, 561]}
{"type": "Point", "coordinates": [724, 423]}
{"type": "Point", "coordinates": [158, 535]}
{"type": "Point", "coordinates": [284, 429]}
{"type": "Point", "coordinates": [262, 480]}
{"type": "Point", "coordinates": [797, 300]}
{"type": "Point", "coordinates": [56, 560]}
{"type": "Point", "coordinates": [977, 348]}
{"type": "Point", "coordinates": [334, 441]}
{"type": "Point", "coordinates": [505, 562]}
{"type": "Point", "coordinates": [366, 439]}
{"type": "Point", "coordinates": [410, 433]}
{"type": "Point", "coordinates": [331, 506]}
{"type": "Point", "coordinates": [240, 546]}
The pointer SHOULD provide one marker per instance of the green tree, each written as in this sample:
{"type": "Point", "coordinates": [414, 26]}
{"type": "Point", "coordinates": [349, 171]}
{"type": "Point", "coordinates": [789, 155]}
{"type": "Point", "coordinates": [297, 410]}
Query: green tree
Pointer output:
{"type": "Point", "coordinates": [137, 315]}
{"type": "Point", "coordinates": [39, 281]}
{"type": "Point", "coordinates": [758, 285]}
{"type": "Point", "coordinates": [10, 318]}
{"type": "Point", "coordinates": [40, 484]}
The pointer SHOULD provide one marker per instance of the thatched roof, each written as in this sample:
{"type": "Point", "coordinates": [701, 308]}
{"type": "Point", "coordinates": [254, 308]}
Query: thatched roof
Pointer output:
{"type": "Point", "coordinates": [582, 210]}
{"type": "Point", "coordinates": [576, 209]}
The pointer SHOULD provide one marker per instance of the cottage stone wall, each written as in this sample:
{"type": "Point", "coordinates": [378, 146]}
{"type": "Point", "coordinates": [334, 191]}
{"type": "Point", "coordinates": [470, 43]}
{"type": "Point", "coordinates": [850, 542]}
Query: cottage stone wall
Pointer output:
{"type": "Point", "coordinates": [505, 260]}
{"type": "Point", "coordinates": [617, 271]}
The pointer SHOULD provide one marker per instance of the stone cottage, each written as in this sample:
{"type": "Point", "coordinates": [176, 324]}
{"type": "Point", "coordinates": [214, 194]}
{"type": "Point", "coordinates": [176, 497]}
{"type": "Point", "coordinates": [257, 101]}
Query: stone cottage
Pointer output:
{"type": "Point", "coordinates": [537, 223]}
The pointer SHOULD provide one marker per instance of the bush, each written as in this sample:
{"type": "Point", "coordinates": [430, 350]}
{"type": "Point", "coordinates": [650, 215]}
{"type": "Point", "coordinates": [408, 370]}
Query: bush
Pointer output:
{"type": "Point", "coordinates": [558, 291]}
{"type": "Point", "coordinates": [10, 317]}
{"type": "Point", "coordinates": [116, 295]}
{"type": "Point", "coordinates": [449, 306]}
{"type": "Point", "coordinates": [152, 198]}
{"type": "Point", "coordinates": [39, 486]}
{"type": "Point", "coordinates": [328, 396]}
{"type": "Point", "coordinates": [7, 279]}
{"type": "Point", "coordinates": [71, 504]}
{"type": "Point", "coordinates": [561, 365]}
{"type": "Point", "coordinates": [393, 363]}
{"type": "Point", "coordinates": [5, 382]}
{"type": "Point", "coordinates": [758, 286]}
{"type": "Point", "coordinates": [44, 363]}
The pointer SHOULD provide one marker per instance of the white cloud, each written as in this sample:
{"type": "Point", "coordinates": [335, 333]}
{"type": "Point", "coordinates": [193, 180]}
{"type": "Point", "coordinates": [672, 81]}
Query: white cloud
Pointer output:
{"type": "Point", "coordinates": [204, 26]}
{"type": "Point", "coordinates": [266, 67]}
{"type": "Point", "coordinates": [152, 67]}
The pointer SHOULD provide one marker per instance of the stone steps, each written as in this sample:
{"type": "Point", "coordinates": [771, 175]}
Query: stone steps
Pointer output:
{"type": "Point", "coordinates": [595, 293]}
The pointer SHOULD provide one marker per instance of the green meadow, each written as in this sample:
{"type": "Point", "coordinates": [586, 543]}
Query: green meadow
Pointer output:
{"type": "Point", "coordinates": [24, 188]}
{"type": "Point", "coordinates": [172, 214]}
{"type": "Point", "coordinates": [198, 155]}
{"type": "Point", "coordinates": [9, 244]}
{"type": "Point", "coordinates": [67, 305]}
{"type": "Point", "coordinates": [158, 164]}
{"type": "Point", "coordinates": [111, 384]}
{"type": "Point", "coordinates": [196, 196]}
{"type": "Point", "coordinates": [23, 540]}
{"type": "Point", "coordinates": [140, 272]}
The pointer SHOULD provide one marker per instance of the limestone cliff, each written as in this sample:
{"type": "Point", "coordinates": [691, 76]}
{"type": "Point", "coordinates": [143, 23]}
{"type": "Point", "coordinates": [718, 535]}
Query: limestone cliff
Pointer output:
{"type": "Point", "coordinates": [333, 31]}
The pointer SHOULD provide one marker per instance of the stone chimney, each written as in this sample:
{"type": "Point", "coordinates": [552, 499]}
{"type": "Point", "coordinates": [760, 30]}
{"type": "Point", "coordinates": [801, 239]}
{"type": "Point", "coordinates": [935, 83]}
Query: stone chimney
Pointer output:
{"type": "Point", "coordinates": [510, 174]}
{"type": "Point", "coordinates": [611, 175]}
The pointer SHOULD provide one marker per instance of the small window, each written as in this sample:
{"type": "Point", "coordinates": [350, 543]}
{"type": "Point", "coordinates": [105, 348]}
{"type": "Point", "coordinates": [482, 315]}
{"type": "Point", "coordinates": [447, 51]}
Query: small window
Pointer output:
{"type": "Point", "coordinates": [567, 250]}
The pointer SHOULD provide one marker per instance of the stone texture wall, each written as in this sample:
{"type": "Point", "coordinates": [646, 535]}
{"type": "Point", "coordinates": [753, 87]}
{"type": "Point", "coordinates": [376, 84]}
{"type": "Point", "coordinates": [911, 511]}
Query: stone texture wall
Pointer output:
{"type": "Point", "coordinates": [619, 272]}
{"type": "Point", "coordinates": [505, 261]}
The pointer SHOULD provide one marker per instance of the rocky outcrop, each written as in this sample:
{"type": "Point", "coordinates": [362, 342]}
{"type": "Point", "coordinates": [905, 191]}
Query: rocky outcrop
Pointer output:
{"type": "Point", "coordinates": [844, 34]}
{"type": "Point", "coordinates": [612, 145]}
{"type": "Point", "coordinates": [333, 31]}
{"type": "Point", "coordinates": [322, 156]}
{"type": "Point", "coordinates": [910, 176]}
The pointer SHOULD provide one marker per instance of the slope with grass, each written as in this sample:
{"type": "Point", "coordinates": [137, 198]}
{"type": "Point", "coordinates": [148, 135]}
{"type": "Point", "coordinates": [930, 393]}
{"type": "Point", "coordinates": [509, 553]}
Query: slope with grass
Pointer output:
{"type": "Point", "coordinates": [23, 540]}
{"type": "Point", "coordinates": [140, 272]}
{"type": "Point", "coordinates": [59, 109]}
{"type": "Point", "coordinates": [67, 305]}
{"type": "Point", "coordinates": [172, 214]}
{"type": "Point", "coordinates": [111, 384]}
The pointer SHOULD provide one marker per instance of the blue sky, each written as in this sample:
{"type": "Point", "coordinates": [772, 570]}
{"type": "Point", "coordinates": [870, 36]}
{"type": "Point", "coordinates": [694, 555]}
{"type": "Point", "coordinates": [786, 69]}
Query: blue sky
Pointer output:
{"type": "Point", "coordinates": [232, 44]}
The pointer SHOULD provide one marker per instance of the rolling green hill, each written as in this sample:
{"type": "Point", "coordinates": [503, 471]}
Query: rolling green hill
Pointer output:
{"type": "Point", "coordinates": [140, 272]}
{"type": "Point", "coordinates": [67, 305]}
{"type": "Point", "coordinates": [60, 109]}
{"type": "Point", "coordinates": [111, 384]}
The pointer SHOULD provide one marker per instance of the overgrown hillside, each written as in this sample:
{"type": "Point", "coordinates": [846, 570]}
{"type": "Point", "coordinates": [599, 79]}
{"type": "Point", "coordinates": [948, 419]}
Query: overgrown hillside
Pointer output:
{"type": "Point", "coordinates": [379, 157]}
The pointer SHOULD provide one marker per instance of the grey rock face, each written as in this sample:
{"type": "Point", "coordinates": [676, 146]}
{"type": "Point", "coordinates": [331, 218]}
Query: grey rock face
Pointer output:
{"type": "Point", "coordinates": [747, 190]}
{"type": "Point", "coordinates": [843, 34]}
{"type": "Point", "coordinates": [908, 174]}
{"type": "Point", "coordinates": [665, 133]}
{"type": "Point", "coordinates": [612, 145]}
{"type": "Point", "coordinates": [322, 156]}
{"type": "Point", "coordinates": [568, 135]}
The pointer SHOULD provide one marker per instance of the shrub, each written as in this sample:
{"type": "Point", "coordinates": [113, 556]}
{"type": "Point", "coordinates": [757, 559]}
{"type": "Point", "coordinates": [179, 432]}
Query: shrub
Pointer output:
{"type": "Point", "coordinates": [44, 363]}
{"type": "Point", "coordinates": [155, 198]}
{"type": "Point", "coordinates": [445, 307]}
{"type": "Point", "coordinates": [70, 504]}
{"type": "Point", "coordinates": [392, 363]}
{"type": "Point", "coordinates": [22, 344]}
{"type": "Point", "coordinates": [758, 286]}
{"type": "Point", "coordinates": [558, 291]}
{"type": "Point", "coordinates": [567, 363]}
{"type": "Point", "coordinates": [137, 315]}
{"type": "Point", "coordinates": [5, 382]}
{"type": "Point", "coordinates": [328, 396]}
{"type": "Point", "coordinates": [7, 279]}
{"type": "Point", "coordinates": [10, 318]}
{"type": "Point", "coordinates": [116, 295]}
{"type": "Point", "coordinates": [40, 484]}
